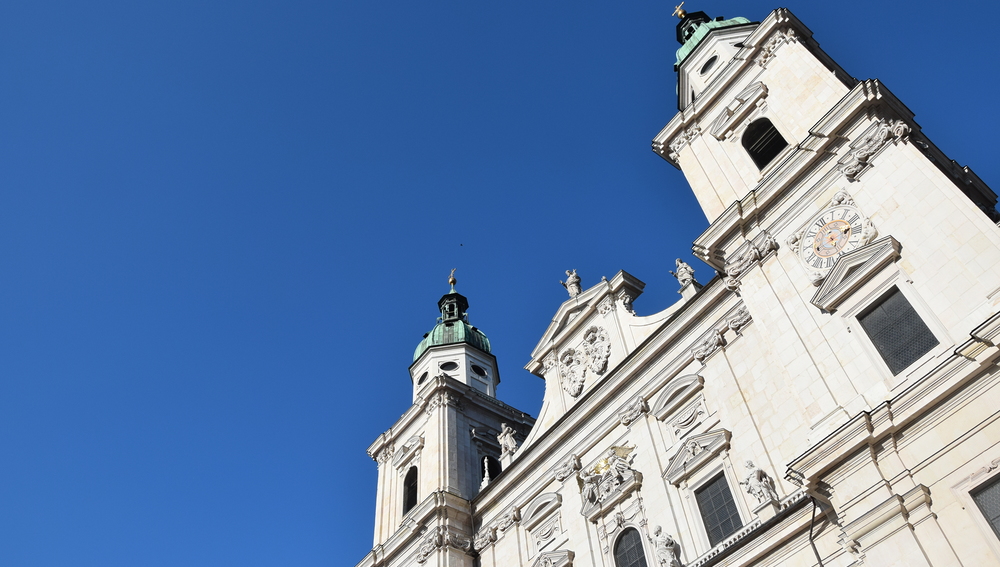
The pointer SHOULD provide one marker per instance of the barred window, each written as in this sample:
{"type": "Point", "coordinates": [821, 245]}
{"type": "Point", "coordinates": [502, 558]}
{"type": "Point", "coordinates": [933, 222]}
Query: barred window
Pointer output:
{"type": "Point", "coordinates": [763, 142]}
{"type": "Point", "coordinates": [987, 497]}
{"type": "Point", "coordinates": [628, 550]}
{"type": "Point", "coordinates": [718, 510]}
{"type": "Point", "coordinates": [898, 333]}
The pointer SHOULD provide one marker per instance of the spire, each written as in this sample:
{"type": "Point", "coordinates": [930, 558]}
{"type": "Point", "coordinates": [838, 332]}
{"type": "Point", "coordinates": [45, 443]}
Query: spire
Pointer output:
{"type": "Point", "coordinates": [452, 281]}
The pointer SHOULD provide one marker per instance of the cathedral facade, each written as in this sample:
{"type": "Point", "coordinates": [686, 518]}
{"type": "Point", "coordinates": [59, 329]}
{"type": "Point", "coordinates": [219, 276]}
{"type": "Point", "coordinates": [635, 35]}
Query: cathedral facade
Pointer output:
{"type": "Point", "coordinates": [831, 397]}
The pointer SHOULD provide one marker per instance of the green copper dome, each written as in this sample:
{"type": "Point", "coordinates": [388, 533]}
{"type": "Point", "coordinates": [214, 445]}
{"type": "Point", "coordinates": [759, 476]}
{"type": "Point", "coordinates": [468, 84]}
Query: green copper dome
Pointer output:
{"type": "Point", "coordinates": [453, 327]}
{"type": "Point", "coordinates": [694, 27]}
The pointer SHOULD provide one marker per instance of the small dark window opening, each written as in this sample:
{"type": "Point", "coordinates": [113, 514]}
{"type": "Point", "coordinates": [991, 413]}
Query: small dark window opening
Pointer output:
{"type": "Point", "coordinates": [410, 490]}
{"type": "Point", "coordinates": [898, 333]}
{"type": "Point", "coordinates": [718, 510]}
{"type": "Point", "coordinates": [988, 499]}
{"type": "Point", "coordinates": [763, 142]}
{"type": "Point", "coordinates": [709, 64]}
{"type": "Point", "coordinates": [628, 550]}
{"type": "Point", "coordinates": [493, 466]}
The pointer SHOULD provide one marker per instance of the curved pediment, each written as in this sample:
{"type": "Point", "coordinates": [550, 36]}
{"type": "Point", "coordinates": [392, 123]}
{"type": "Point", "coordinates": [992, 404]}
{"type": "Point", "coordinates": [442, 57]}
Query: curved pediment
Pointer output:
{"type": "Point", "coordinates": [678, 391]}
{"type": "Point", "coordinates": [540, 508]}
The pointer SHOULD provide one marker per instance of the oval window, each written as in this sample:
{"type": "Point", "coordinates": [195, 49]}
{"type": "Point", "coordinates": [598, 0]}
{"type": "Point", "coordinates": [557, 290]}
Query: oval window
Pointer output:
{"type": "Point", "coordinates": [709, 64]}
{"type": "Point", "coordinates": [478, 370]}
{"type": "Point", "coordinates": [421, 379]}
{"type": "Point", "coordinates": [449, 366]}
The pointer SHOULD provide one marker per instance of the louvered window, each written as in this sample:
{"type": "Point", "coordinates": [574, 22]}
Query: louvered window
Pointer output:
{"type": "Point", "coordinates": [718, 510]}
{"type": "Point", "coordinates": [988, 499]}
{"type": "Point", "coordinates": [898, 333]}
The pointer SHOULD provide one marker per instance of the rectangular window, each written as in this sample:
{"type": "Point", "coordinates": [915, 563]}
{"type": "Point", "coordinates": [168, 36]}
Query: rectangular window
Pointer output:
{"type": "Point", "coordinates": [898, 333]}
{"type": "Point", "coordinates": [988, 499]}
{"type": "Point", "coordinates": [718, 510]}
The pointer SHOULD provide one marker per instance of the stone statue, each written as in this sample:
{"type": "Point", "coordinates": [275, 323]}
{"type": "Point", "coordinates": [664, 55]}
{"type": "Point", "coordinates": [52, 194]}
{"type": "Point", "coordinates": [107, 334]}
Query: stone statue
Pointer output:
{"type": "Point", "coordinates": [486, 474]}
{"type": "Point", "coordinates": [617, 466]}
{"type": "Point", "coordinates": [666, 548]}
{"type": "Point", "coordinates": [506, 439]}
{"type": "Point", "coordinates": [572, 283]}
{"type": "Point", "coordinates": [684, 273]}
{"type": "Point", "coordinates": [759, 484]}
{"type": "Point", "coordinates": [591, 483]}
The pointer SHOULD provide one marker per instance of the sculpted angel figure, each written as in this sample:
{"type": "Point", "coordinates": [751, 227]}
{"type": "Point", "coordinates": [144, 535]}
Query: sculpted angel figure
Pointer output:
{"type": "Point", "coordinates": [759, 484]}
{"type": "Point", "coordinates": [506, 439]}
{"type": "Point", "coordinates": [666, 548]}
{"type": "Point", "coordinates": [572, 283]}
{"type": "Point", "coordinates": [590, 485]}
{"type": "Point", "coordinates": [684, 273]}
{"type": "Point", "coordinates": [616, 465]}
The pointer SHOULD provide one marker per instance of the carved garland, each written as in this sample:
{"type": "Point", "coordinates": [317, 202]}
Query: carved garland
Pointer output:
{"type": "Point", "coordinates": [567, 468]}
{"type": "Point", "coordinates": [875, 138]}
{"type": "Point", "coordinates": [633, 411]}
{"type": "Point", "coordinates": [753, 255]}
{"type": "Point", "coordinates": [440, 537]}
{"type": "Point", "coordinates": [592, 354]}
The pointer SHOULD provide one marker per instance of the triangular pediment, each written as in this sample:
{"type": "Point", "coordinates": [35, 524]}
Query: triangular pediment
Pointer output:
{"type": "Point", "coordinates": [738, 109]}
{"type": "Point", "coordinates": [852, 270]}
{"type": "Point", "coordinates": [577, 311]}
{"type": "Point", "coordinates": [560, 558]}
{"type": "Point", "coordinates": [695, 453]}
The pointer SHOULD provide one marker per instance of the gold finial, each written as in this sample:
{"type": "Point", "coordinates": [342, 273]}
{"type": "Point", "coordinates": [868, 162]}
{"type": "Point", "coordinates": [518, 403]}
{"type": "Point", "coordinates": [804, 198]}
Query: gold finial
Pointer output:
{"type": "Point", "coordinates": [679, 12]}
{"type": "Point", "coordinates": [451, 279]}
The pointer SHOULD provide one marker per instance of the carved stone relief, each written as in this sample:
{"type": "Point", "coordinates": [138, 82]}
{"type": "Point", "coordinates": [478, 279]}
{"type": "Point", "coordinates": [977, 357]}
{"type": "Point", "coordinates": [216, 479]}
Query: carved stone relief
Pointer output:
{"type": "Point", "coordinates": [682, 139]}
{"type": "Point", "coordinates": [632, 514]}
{"type": "Point", "coordinates": [687, 418]}
{"type": "Point", "coordinates": [694, 454]}
{"type": "Point", "coordinates": [567, 468]}
{"type": "Point", "coordinates": [560, 558]}
{"type": "Point", "coordinates": [753, 253]}
{"type": "Point", "coordinates": [713, 342]}
{"type": "Point", "coordinates": [609, 481]}
{"type": "Point", "coordinates": [571, 368]}
{"type": "Point", "coordinates": [771, 47]}
{"type": "Point", "coordinates": [440, 537]}
{"type": "Point", "coordinates": [739, 320]}
{"type": "Point", "coordinates": [606, 306]}
{"type": "Point", "coordinates": [597, 346]}
{"type": "Point", "coordinates": [443, 399]}
{"type": "Point", "coordinates": [633, 411]}
{"type": "Point", "coordinates": [874, 138]}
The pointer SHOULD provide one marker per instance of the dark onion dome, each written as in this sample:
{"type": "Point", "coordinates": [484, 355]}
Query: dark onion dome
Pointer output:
{"type": "Point", "coordinates": [453, 327]}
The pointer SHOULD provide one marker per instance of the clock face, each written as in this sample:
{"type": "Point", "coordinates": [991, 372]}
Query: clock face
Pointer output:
{"type": "Point", "coordinates": [835, 231]}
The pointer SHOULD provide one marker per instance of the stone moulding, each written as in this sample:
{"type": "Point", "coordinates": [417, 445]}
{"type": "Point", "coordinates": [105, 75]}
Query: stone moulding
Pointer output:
{"type": "Point", "coordinates": [441, 537]}
{"type": "Point", "coordinates": [567, 468]}
{"type": "Point", "coordinates": [738, 110]}
{"type": "Point", "coordinates": [408, 451]}
{"type": "Point", "coordinates": [695, 453]}
{"type": "Point", "coordinates": [852, 270]}
{"type": "Point", "coordinates": [633, 411]}
{"type": "Point", "coordinates": [870, 143]}
{"type": "Point", "coordinates": [560, 558]}
{"type": "Point", "coordinates": [676, 393]}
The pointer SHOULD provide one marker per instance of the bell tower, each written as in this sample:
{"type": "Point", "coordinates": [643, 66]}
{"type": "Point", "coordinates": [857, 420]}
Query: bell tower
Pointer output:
{"type": "Point", "coordinates": [444, 449]}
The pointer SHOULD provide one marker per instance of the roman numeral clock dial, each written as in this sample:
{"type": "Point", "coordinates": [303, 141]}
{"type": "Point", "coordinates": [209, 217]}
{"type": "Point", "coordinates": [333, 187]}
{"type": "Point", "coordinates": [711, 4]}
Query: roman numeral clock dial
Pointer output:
{"type": "Point", "coordinates": [832, 233]}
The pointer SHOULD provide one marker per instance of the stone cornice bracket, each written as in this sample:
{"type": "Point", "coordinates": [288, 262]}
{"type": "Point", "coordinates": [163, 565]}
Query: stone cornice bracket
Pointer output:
{"type": "Point", "coordinates": [770, 48]}
{"type": "Point", "coordinates": [864, 148]}
{"type": "Point", "coordinates": [752, 255]}
{"type": "Point", "coordinates": [566, 468]}
{"type": "Point", "coordinates": [441, 537]}
{"type": "Point", "coordinates": [633, 411]}
{"type": "Point", "coordinates": [713, 342]}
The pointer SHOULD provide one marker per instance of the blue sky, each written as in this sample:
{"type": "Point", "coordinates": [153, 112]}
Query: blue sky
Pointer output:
{"type": "Point", "coordinates": [225, 226]}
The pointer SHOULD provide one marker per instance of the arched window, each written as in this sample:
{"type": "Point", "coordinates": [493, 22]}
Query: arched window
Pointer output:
{"type": "Point", "coordinates": [410, 490]}
{"type": "Point", "coordinates": [763, 142]}
{"type": "Point", "coordinates": [492, 465]}
{"type": "Point", "coordinates": [628, 550]}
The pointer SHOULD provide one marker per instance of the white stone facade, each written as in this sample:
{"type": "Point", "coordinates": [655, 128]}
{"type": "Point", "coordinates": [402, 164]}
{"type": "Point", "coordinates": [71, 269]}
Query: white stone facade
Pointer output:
{"type": "Point", "coordinates": [767, 362]}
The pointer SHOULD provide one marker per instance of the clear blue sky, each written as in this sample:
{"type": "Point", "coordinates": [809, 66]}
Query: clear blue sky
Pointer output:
{"type": "Point", "coordinates": [224, 227]}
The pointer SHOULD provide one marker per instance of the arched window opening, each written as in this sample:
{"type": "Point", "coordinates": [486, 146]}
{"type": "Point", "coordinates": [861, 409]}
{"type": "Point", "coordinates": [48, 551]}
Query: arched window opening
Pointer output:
{"type": "Point", "coordinates": [628, 550]}
{"type": "Point", "coordinates": [763, 142]}
{"type": "Point", "coordinates": [410, 490]}
{"type": "Point", "coordinates": [492, 466]}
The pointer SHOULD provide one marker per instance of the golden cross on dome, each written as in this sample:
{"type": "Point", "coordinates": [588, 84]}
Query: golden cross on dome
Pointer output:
{"type": "Point", "coordinates": [679, 12]}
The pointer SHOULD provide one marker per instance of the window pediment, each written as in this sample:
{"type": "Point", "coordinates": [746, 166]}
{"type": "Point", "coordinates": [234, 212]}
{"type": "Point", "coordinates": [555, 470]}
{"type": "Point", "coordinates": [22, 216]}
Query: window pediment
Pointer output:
{"type": "Point", "coordinates": [676, 393]}
{"type": "Point", "coordinates": [738, 110]}
{"type": "Point", "coordinates": [852, 270]}
{"type": "Point", "coordinates": [695, 453]}
{"type": "Point", "coordinates": [407, 451]}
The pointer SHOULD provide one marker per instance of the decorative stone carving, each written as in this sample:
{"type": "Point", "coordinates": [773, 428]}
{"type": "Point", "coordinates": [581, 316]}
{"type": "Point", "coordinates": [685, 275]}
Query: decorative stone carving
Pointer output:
{"type": "Point", "coordinates": [676, 393]}
{"type": "Point", "coordinates": [739, 265]}
{"type": "Point", "coordinates": [443, 399]}
{"type": "Point", "coordinates": [508, 519]}
{"type": "Point", "coordinates": [759, 484]}
{"type": "Point", "coordinates": [571, 367]}
{"type": "Point", "coordinates": [547, 531]}
{"type": "Point", "coordinates": [687, 418]}
{"type": "Point", "coordinates": [486, 474]}
{"type": "Point", "coordinates": [682, 139]}
{"type": "Point", "coordinates": [382, 457]}
{"type": "Point", "coordinates": [617, 521]}
{"type": "Point", "coordinates": [610, 480]}
{"type": "Point", "coordinates": [440, 537]}
{"type": "Point", "coordinates": [667, 552]}
{"type": "Point", "coordinates": [694, 454]}
{"type": "Point", "coordinates": [713, 342]}
{"type": "Point", "coordinates": [633, 411]}
{"type": "Point", "coordinates": [739, 320]}
{"type": "Point", "coordinates": [597, 346]}
{"type": "Point", "coordinates": [486, 537]}
{"type": "Point", "coordinates": [560, 558]}
{"type": "Point", "coordinates": [408, 451]}
{"type": "Point", "coordinates": [777, 40]}
{"type": "Point", "coordinates": [508, 445]}
{"type": "Point", "coordinates": [626, 301]}
{"type": "Point", "coordinates": [684, 273]}
{"type": "Point", "coordinates": [567, 468]}
{"type": "Point", "coordinates": [548, 362]}
{"type": "Point", "coordinates": [572, 283]}
{"type": "Point", "coordinates": [874, 138]}
{"type": "Point", "coordinates": [606, 306]}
